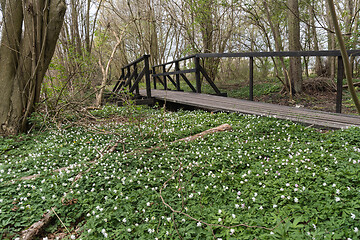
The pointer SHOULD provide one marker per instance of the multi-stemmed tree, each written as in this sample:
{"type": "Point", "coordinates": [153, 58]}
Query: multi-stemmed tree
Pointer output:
{"type": "Point", "coordinates": [29, 34]}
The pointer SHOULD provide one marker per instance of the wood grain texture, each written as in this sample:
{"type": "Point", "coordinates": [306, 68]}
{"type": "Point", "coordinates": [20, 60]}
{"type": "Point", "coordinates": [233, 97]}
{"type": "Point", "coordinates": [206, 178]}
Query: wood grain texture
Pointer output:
{"type": "Point", "coordinates": [218, 103]}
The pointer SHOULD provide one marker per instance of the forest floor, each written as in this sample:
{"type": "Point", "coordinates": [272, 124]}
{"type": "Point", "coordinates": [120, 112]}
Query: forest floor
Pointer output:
{"type": "Point", "coordinates": [128, 173]}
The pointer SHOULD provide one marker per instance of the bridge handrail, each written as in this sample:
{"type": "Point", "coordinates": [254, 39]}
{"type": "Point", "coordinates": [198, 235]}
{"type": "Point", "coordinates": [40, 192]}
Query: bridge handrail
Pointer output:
{"type": "Point", "coordinates": [323, 53]}
{"type": "Point", "coordinates": [166, 73]}
{"type": "Point", "coordinates": [125, 80]}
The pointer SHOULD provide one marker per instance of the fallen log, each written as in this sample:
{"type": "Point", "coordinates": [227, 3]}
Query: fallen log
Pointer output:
{"type": "Point", "coordinates": [34, 229]}
{"type": "Point", "coordinates": [357, 84]}
{"type": "Point", "coordinates": [221, 128]}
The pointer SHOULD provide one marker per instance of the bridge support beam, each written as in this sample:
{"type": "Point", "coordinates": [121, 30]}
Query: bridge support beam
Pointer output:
{"type": "Point", "coordinates": [339, 85]}
{"type": "Point", "coordinates": [197, 74]}
{"type": "Point", "coordinates": [251, 78]}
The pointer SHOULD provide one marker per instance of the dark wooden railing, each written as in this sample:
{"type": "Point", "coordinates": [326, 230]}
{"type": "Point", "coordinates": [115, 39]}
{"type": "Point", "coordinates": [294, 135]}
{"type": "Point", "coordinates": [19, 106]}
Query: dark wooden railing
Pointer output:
{"type": "Point", "coordinates": [130, 72]}
{"type": "Point", "coordinates": [251, 55]}
{"type": "Point", "coordinates": [164, 73]}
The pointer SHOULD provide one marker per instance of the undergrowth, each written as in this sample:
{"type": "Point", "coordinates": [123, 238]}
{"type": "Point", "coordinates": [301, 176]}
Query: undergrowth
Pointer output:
{"type": "Point", "coordinates": [265, 179]}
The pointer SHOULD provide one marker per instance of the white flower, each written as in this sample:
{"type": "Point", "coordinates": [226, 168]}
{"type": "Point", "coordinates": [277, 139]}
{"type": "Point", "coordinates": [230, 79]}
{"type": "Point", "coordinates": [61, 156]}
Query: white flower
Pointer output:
{"type": "Point", "coordinates": [148, 204]}
{"type": "Point", "coordinates": [296, 200]}
{"type": "Point", "coordinates": [219, 220]}
{"type": "Point", "coordinates": [274, 206]}
{"type": "Point", "coordinates": [356, 229]}
{"type": "Point", "coordinates": [115, 208]}
{"type": "Point", "coordinates": [89, 230]}
{"type": "Point", "coordinates": [219, 211]}
{"type": "Point", "coordinates": [233, 215]}
{"type": "Point", "coordinates": [337, 199]}
{"type": "Point", "coordinates": [237, 205]}
{"type": "Point", "coordinates": [129, 229]}
{"type": "Point", "coordinates": [72, 237]}
{"type": "Point", "coordinates": [232, 231]}
{"type": "Point", "coordinates": [261, 207]}
{"type": "Point", "coordinates": [45, 238]}
{"type": "Point", "coordinates": [198, 224]}
{"type": "Point", "coordinates": [124, 220]}
{"type": "Point", "coordinates": [353, 216]}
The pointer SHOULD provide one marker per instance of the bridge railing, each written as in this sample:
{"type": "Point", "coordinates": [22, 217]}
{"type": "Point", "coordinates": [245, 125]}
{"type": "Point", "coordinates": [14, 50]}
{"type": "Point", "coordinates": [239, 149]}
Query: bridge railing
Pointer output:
{"type": "Point", "coordinates": [163, 74]}
{"type": "Point", "coordinates": [131, 77]}
{"type": "Point", "coordinates": [170, 73]}
{"type": "Point", "coordinates": [251, 55]}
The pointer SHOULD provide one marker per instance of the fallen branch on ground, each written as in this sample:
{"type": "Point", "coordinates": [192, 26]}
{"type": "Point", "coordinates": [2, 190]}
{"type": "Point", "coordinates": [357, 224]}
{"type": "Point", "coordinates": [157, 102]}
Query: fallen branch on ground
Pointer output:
{"type": "Point", "coordinates": [221, 128]}
{"type": "Point", "coordinates": [34, 229]}
{"type": "Point", "coordinates": [355, 85]}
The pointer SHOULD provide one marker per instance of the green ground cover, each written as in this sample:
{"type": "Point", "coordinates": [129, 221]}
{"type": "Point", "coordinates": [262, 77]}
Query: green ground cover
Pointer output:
{"type": "Point", "coordinates": [265, 179]}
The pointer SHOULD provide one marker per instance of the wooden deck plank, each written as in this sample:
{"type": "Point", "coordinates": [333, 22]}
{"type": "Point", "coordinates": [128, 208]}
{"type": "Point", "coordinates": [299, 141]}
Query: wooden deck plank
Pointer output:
{"type": "Point", "coordinates": [212, 102]}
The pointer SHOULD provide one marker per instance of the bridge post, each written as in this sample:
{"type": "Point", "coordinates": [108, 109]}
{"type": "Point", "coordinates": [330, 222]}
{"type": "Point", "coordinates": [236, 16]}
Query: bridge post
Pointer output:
{"type": "Point", "coordinates": [339, 84]}
{"type": "Point", "coordinates": [136, 74]}
{"type": "Point", "coordinates": [197, 74]}
{"type": "Point", "coordinates": [129, 72]}
{"type": "Point", "coordinates": [164, 71]}
{"type": "Point", "coordinates": [251, 79]}
{"type": "Point", "coordinates": [154, 78]}
{"type": "Point", "coordinates": [177, 68]}
{"type": "Point", "coordinates": [147, 76]}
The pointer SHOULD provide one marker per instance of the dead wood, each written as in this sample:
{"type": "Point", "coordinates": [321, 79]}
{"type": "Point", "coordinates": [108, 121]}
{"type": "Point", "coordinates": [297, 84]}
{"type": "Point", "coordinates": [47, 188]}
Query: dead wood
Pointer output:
{"type": "Point", "coordinates": [221, 128]}
{"type": "Point", "coordinates": [34, 229]}
{"type": "Point", "coordinates": [355, 85]}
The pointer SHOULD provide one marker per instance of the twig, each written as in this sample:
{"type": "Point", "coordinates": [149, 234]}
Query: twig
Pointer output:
{"type": "Point", "coordinates": [52, 209]}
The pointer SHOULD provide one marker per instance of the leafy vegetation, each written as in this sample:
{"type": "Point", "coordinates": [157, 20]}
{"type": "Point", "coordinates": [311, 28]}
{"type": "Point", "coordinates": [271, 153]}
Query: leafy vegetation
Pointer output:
{"type": "Point", "coordinates": [265, 179]}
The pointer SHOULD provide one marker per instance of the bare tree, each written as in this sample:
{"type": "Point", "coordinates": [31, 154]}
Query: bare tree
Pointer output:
{"type": "Point", "coordinates": [29, 35]}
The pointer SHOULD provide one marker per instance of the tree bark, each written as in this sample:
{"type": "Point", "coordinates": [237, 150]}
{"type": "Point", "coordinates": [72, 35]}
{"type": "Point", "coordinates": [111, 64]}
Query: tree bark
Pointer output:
{"type": "Point", "coordinates": [278, 45]}
{"type": "Point", "coordinates": [31, 29]}
{"type": "Point", "coordinates": [295, 72]}
{"type": "Point", "coordinates": [330, 64]}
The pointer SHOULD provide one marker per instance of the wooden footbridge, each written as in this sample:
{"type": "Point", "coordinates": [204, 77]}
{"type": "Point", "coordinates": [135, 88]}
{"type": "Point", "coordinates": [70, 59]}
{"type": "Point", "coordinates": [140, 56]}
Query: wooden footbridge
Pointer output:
{"type": "Point", "coordinates": [170, 79]}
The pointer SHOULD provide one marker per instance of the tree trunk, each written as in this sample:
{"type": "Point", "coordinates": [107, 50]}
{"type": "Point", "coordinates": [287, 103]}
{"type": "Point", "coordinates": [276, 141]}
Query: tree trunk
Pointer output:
{"type": "Point", "coordinates": [31, 29]}
{"type": "Point", "coordinates": [278, 45]}
{"type": "Point", "coordinates": [295, 72]}
{"type": "Point", "coordinates": [205, 19]}
{"type": "Point", "coordinates": [330, 64]}
{"type": "Point", "coordinates": [75, 27]}
{"type": "Point", "coordinates": [318, 62]}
